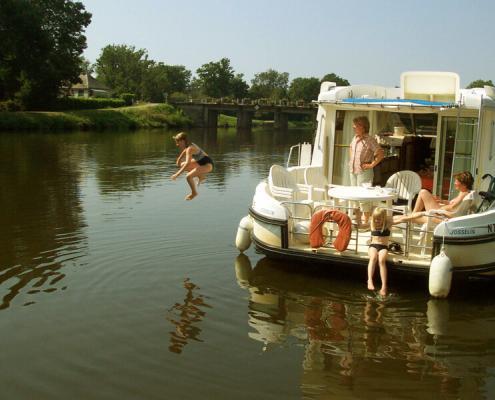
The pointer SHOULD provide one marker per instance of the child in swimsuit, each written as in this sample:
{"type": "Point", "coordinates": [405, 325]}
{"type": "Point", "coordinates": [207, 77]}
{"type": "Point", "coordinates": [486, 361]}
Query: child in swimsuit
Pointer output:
{"type": "Point", "coordinates": [197, 163]}
{"type": "Point", "coordinates": [378, 248]}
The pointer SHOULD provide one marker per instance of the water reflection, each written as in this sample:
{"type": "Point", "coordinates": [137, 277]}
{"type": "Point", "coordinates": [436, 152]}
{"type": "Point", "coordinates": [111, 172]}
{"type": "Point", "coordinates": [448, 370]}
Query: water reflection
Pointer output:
{"type": "Point", "coordinates": [128, 161]}
{"type": "Point", "coordinates": [357, 345]}
{"type": "Point", "coordinates": [185, 317]}
{"type": "Point", "coordinates": [40, 214]}
{"type": "Point", "coordinates": [53, 186]}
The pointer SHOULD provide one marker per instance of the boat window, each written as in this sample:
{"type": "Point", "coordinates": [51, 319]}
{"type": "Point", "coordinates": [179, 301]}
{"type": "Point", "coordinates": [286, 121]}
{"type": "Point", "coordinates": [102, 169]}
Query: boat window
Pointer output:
{"type": "Point", "coordinates": [386, 122]}
{"type": "Point", "coordinates": [411, 124]}
{"type": "Point", "coordinates": [425, 124]}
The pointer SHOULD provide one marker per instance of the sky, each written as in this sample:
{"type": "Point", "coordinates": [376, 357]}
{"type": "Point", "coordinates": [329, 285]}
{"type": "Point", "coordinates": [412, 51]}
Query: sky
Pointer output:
{"type": "Point", "coordinates": [365, 42]}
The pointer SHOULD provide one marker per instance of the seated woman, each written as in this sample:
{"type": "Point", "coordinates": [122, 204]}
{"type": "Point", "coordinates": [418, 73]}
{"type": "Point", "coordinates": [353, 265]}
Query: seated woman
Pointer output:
{"type": "Point", "coordinates": [425, 202]}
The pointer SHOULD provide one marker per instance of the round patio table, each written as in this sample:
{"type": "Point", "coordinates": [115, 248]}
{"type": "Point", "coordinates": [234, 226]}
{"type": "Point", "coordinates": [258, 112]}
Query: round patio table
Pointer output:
{"type": "Point", "coordinates": [362, 194]}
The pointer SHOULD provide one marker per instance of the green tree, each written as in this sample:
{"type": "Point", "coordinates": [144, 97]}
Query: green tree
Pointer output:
{"type": "Point", "coordinates": [178, 78]}
{"type": "Point", "coordinates": [214, 79]}
{"type": "Point", "coordinates": [270, 85]}
{"type": "Point", "coordinates": [40, 46]}
{"type": "Point", "coordinates": [161, 80]}
{"type": "Point", "coordinates": [479, 83]}
{"type": "Point", "coordinates": [86, 66]}
{"type": "Point", "coordinates": [306, 89]}
{"type": "Point", "coordinates": [335, 78]}
{"type": "Point", "coordinates": [123, 68]}
{"type": "Point", "coordinates": [239, 87]}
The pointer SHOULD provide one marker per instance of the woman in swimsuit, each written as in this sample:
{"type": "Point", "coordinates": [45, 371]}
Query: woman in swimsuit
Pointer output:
{"type": "Point", "coordinates": [197, 163]}
{"type": "Point", "coordinates": [378, 248]}
{"type": "Point", "coordinates": [463, 182]}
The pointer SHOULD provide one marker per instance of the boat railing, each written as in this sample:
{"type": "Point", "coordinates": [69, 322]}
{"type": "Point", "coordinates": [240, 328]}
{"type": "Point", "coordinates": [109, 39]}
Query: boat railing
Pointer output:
{"type": "Point", "coordinates": [416, 238]}
{"type": "Point", "coordinates": [303, 154]}
{"type": "Point", "coordinates": [291, 150]}
{"type": "Point", "coordinates": [405, 228]}
{"type": "Point", "coordinates": [292, 212]}
{"type": "Point", "coordinates": [424, 233]}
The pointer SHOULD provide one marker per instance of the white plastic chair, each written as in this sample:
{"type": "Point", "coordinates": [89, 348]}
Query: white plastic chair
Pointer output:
{"type": "Point", "coordinates": [407, 185]}
{"type": "Point", "coordinates": [313, 177]}
{"type": "Point", "coordinates": [298, 200]}
{"type": "Point", "coordinates": [283, 186]}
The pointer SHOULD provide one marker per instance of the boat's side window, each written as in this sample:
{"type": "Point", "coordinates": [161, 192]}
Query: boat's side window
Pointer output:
{"type": "Point", "coordinates": [386, 122]}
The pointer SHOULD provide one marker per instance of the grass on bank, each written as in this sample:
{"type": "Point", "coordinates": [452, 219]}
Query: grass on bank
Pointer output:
{"type": "Point", "coordinates": [133, 117]}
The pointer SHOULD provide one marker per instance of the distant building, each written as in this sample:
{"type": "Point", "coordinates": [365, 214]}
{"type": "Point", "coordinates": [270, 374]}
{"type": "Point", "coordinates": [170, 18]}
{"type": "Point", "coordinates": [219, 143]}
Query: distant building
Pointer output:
{"type": "Point", "coordinates": [89, 87]}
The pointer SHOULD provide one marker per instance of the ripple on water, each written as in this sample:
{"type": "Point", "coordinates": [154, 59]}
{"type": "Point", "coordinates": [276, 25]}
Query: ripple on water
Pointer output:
{"type": "Point", "coordinates": [43, 273]}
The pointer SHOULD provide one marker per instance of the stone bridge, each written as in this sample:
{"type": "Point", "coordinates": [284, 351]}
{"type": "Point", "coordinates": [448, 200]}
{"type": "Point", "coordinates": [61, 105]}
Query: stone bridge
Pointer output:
{"type": "Point", "coordinates": [205, 112]}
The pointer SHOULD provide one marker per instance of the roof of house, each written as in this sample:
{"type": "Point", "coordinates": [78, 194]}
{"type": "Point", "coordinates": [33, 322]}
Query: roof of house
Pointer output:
{"type": "Point", "coordinates": [88, 82]}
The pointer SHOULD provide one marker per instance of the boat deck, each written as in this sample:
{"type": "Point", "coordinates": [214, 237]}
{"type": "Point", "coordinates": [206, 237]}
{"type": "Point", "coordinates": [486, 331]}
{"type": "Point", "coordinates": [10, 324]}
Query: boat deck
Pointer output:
{"type": "Point", "coordinates": [415, 259]}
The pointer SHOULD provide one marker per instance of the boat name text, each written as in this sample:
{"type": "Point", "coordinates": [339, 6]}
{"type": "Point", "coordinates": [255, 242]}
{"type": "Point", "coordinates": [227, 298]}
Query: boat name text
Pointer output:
{"type": "Point", "coordinates": [463, 231]}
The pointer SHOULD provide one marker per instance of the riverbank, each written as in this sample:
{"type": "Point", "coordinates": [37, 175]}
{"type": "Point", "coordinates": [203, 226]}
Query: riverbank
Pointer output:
{"type": "Point", "coordinates": [133, 117]}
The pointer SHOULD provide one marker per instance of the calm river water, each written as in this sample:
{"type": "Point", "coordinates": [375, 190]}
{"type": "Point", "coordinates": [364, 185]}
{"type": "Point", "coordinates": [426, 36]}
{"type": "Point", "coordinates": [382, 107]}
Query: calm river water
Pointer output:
{"type": "Point", "coordinates": [114, 287]}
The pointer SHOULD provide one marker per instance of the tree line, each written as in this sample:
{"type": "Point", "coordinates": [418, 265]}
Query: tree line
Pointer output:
{"type": "Point", "coordinates": [41, 45]}
{"type": "Point", "coordinates": [126, 69]}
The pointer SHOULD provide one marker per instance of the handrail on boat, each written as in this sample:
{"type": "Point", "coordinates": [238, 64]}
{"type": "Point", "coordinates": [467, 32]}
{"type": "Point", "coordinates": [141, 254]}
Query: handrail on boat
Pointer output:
{"type": "Point", "coordinates": [298, 154]}
{"type": "Point", "coordinates": [297, 203]}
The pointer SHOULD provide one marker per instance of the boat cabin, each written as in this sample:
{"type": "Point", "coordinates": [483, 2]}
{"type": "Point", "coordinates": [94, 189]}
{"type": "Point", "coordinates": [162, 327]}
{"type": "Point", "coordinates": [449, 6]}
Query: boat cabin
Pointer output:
{"type": "Point", "coordinates": [428, 125]}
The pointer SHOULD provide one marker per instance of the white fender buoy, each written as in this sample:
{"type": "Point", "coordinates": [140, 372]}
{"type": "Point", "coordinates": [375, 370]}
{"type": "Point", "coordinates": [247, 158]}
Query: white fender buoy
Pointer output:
{"type": "Point", "coordinates": [440, 277]}
{"type": "Point", "coordinates": [243, 237]}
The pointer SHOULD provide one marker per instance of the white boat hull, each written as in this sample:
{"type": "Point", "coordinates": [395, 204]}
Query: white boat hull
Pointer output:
{"type": "Point", "coordinates": [469, 242]}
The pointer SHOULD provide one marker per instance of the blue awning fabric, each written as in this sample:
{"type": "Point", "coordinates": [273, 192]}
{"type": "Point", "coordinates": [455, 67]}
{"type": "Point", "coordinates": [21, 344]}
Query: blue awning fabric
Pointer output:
{"type": "Point", "coordinates": [390, 102]}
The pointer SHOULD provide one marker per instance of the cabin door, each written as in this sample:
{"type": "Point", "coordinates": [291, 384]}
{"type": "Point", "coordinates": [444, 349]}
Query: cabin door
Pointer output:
{"type": "Point", "coordinates": [456, 153]}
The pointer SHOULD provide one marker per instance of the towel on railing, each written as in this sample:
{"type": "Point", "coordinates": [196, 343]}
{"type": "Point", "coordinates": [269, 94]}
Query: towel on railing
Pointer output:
{"type": "Point", "coordinates": [343, 221]}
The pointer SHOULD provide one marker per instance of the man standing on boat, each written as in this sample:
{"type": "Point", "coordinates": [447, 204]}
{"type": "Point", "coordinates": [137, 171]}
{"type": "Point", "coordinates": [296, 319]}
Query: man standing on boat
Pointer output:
{"type": "Point", "coordinates": [365, 154]}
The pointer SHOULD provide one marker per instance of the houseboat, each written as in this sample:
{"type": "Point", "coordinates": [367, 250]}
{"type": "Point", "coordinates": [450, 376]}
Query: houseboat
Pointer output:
{"type": "Point", "coordinates": [430, 129]}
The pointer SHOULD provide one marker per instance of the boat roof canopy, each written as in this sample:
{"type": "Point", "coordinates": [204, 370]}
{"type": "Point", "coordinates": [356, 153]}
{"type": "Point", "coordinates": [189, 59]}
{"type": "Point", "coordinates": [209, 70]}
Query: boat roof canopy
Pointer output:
{"type": "Point", "coordinates": [420, 90]}
{"type": "Point", "coordinates": [399, 102]}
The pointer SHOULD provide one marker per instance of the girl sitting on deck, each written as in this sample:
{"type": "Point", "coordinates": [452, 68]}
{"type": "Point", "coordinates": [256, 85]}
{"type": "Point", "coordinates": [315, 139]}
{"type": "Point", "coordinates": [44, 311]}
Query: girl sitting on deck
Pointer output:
{"type": "Point", "coordinates": [197, 163]}
{"type": "Point", "coordinates": [378, 248]}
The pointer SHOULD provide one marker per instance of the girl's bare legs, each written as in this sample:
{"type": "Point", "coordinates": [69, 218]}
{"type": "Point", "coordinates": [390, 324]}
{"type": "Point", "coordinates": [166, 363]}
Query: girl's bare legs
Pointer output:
{"type": "Point", "coordinates": [200, 170]}
{"type": "Point", "coordinates": [190, 166]}
{"type": "Point", "coordinates": [382, 262]}
{"type": "Point", "coordinates": [201, 178]}
{"type": "Point", "coordinates": [373, 255]}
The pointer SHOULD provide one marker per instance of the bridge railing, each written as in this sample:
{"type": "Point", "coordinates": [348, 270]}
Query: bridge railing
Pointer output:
{"type": "Point", "coordinates": [249, 102]}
